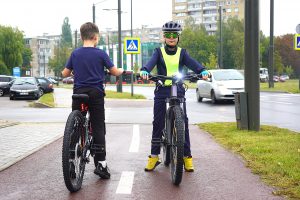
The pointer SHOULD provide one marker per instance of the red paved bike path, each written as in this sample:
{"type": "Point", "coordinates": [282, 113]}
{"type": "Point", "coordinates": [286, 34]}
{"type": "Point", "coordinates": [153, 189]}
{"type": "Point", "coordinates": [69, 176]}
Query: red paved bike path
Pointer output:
{"type": "Point", "coordinates": [219, 174]}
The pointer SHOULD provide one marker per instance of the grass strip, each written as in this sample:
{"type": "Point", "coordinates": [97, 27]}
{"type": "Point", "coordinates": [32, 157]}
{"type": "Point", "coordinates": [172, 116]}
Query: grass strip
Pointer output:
{"type": "Point", "coordinates": [272, 153]}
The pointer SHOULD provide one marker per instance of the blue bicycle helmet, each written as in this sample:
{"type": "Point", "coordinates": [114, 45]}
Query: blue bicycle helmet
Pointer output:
{"type": "Point", "coordinates": [171, 27]}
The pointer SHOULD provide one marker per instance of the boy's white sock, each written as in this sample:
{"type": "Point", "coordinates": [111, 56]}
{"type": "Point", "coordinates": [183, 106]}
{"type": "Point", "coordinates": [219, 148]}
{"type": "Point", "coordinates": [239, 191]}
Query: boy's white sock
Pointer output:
{"type": "Point", "coordinates": [103, 163]}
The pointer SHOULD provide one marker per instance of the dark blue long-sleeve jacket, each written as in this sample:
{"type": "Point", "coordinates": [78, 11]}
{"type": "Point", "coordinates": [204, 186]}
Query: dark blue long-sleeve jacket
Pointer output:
{"type": "Point", "coordinates": [184, 60]}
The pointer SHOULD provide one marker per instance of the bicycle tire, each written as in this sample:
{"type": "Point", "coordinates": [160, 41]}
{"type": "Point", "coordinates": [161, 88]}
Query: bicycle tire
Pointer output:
{"type": "Point", "coordinates": [72, 151]}
{"type": "Point", "coordinates": [177, 144]}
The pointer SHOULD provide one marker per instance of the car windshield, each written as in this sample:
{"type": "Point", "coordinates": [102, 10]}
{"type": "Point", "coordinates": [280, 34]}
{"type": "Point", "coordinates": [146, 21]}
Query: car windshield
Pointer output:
{"type": "Point", "coordinates": [227, 75]}
{"type": "Point", "coordinates": [22, 81]}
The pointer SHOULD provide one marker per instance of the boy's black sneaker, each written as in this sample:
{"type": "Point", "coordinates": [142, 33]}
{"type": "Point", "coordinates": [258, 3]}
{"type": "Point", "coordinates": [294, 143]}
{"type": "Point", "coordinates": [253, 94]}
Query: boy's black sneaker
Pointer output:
{"type": "Point", "coordinates": [101, 171]}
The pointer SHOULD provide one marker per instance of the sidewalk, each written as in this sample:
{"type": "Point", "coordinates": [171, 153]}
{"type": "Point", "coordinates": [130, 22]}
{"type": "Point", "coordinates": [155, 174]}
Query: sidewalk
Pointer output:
{"type": "Point", "coordinates": [19, 140]}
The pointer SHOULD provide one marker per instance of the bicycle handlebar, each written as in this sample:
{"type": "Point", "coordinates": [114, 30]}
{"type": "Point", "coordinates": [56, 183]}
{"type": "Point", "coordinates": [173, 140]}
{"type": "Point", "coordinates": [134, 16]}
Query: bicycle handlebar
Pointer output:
{"type": "Point", "coordinates": [191, 77]}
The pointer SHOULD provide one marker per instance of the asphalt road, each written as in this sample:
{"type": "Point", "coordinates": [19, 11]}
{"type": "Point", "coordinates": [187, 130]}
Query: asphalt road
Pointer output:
{"type": "Point", "coordinates": [278, 109]}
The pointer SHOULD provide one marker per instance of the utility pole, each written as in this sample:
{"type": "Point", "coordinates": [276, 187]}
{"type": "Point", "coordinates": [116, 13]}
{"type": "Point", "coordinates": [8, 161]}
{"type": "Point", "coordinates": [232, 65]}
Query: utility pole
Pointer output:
{"type": "Point", "coordinates": [271, 46]}
{"type": "Point", "coordinates": [221, 39]}
{"type": "Point", "coordinates": [75, 38]}
{"type": "Point", "coordinates": [94, 17]}
{"type": "Point", "coordinates": [131, 34]}
{"type": "Point", "coordinates": [119, 85]}
{"type": "Point", "coordinates": [44, 62]}
{"type": "Point", "coordinates": [252, 63]}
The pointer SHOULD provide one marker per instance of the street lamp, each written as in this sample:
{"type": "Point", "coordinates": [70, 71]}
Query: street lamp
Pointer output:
{"type": "Point", "coordinates": [94, 15]}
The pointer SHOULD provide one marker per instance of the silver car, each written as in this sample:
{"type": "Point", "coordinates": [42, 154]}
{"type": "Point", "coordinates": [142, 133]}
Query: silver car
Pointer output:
{"type": "Point", "coordinates": [221, 86]}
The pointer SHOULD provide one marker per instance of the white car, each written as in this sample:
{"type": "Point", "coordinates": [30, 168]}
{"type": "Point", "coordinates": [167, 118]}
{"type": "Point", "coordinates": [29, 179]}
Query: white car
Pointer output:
{"type": "Point", "coordinates": [222, 85]}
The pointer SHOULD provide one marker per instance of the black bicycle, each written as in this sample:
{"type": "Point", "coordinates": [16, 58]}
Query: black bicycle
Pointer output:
{"type": "Point", "coordinates": [173, 137]}
{"type": "Point", "coordinates": [77, 144]}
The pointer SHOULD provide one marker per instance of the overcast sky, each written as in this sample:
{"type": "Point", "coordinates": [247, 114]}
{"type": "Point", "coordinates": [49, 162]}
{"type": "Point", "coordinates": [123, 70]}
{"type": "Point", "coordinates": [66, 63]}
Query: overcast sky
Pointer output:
{"type": "Point", "coordinates": [36, 17]}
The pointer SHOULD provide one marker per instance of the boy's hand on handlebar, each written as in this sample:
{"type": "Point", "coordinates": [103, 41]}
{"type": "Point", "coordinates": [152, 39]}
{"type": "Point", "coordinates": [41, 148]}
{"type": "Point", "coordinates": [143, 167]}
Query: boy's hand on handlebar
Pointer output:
{"type": "Point", "coordinates": [144, 75]}
{"type": "Point", "coordinates": [205, 74]}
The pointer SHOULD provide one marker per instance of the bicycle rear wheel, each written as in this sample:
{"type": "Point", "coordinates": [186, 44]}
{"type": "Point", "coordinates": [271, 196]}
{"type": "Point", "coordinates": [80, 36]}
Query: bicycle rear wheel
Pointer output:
{"type": "Point", "coordinates": [72, 151]}
{"type": "Point", "coordinates": [177, 144]}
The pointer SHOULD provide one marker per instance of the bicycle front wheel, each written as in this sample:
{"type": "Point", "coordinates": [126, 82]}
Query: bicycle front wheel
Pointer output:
{"type": "Point", "coordinates": [177, 144]}
{"type": "Point", "coordinates": [72, 151]}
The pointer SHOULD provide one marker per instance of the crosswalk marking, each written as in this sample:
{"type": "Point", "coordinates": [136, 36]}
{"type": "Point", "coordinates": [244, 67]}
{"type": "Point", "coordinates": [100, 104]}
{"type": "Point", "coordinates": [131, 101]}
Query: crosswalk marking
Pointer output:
{"type": "Point", "coordinates": [125, 183]}
{"type": "Point", "coordinates": [135, 141]}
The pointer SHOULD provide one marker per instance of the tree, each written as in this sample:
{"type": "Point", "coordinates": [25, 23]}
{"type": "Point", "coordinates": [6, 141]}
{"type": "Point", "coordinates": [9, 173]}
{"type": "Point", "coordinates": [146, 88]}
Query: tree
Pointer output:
{"type": "Point", "coordinates": [66, 37]}
{"type": "Point", "coordinates": [27, 57]}
{"type": "Point", "coordinates": [233, 43]}
{"type": "Point", "coordinates": [212, 64]}
{"type": "Point", "coordinates": [61, 56]}
{"type": "Point", "coordinates": [197, 41]}
{"type": "Point", "coordinates": [11, 47]}
{"type": "Point", "coordinates": [285, 47]}
{"type": "Point", "coordinates": [3, 68]}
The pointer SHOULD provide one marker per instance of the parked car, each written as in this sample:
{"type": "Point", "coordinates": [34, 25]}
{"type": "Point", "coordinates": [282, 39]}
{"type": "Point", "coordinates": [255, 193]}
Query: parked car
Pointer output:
{"type": "Point", "coordinates": [45, 85]}
{"type": "Point", "coordinates": [4, 84]}
{"type": "Point", "coordinates": [68, 80]}
{"type": "Point", "coordinates": [52, 80]}
{"type": "Point", "coordinates": [222, 85]}
{"type": "Point", "coordinates": [263, 75]}
{"type": "Point", "coordinates": [284, 78]}
{"type": "Point", "coordinates": [25, 87]}
{"type": "Point", "coordinates": [275, 78]}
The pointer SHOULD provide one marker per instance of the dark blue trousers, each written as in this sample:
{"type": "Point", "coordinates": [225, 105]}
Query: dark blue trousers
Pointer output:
{"type": "Point", "coordinates": [160, 95]}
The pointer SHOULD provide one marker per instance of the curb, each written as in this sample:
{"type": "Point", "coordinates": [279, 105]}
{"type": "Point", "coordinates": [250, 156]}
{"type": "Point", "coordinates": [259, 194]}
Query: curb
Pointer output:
{"type": "Point", "coordinates": [8, 124]}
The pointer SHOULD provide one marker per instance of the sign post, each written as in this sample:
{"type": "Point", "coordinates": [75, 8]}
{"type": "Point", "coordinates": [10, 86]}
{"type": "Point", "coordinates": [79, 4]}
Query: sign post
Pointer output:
{"type": "Point", "coordinates": [132, 45]}
{"type": "Point", "coordinates": [16, 71]}
{"type": "Point", "coordinates": [297, 42]}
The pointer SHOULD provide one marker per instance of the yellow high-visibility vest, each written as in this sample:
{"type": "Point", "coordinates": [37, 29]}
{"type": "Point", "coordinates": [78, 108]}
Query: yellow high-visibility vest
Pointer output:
{"type": "Point", "coordinates": [172, 63]}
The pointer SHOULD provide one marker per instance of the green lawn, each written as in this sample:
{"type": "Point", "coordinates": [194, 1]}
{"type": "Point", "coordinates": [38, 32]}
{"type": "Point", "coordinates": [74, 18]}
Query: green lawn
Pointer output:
{"type": "Point", "coordinates": [47, 99]}
{"type": "Point", "coordinates": [124, 95]}
{"type": "Point", "coordinates": [291, 86]}
{"type": "Point", "coordinates": [272, 153]}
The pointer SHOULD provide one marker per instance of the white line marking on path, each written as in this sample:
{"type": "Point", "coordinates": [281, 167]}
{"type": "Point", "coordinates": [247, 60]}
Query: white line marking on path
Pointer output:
{"type": "Point", "coordinates": [278, 102]}
{"type": "Point", "coordinates": [135, 142]}
{"type": "Point", "coordinates": [125, 183]}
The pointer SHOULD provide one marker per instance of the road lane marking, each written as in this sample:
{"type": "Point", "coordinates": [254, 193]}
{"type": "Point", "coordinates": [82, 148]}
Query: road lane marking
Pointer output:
{"type": "Point", "coordinates": [279, 102]}
{"type": "Point", "coordinates": [125, 183]}
{"type": "Point", "coordinates": [135, 141]}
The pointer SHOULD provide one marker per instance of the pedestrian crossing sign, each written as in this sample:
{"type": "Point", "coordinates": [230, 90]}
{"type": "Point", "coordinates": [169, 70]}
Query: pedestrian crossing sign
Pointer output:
{"type": "Point", "coordinates": [132, 45]}
{"type": "Point", "coordinates": [297, 42]}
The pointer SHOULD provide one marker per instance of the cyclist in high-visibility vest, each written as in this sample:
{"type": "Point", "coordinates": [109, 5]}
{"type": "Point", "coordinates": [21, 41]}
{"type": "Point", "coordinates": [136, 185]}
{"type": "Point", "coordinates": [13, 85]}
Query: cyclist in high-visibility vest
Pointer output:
{"type": "Point", "coordinates": [169, 60]}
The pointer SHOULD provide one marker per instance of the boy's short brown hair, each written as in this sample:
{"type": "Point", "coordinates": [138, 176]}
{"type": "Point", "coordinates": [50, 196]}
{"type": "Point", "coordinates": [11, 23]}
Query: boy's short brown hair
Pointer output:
{"type": "Point", "coordinates": [88, 31]}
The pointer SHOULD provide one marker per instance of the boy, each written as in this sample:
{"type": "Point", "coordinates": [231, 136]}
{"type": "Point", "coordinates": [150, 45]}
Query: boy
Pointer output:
{"type": "Point", "coordinates": [87, 64]}
{"type": "Point", "coordinates": [169, 60]}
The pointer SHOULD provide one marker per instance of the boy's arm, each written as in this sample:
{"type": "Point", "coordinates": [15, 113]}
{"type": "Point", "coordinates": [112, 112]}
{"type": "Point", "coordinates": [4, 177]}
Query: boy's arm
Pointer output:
{"type": "Point", "coordinates": [115, 71]}
{"type": "Point", "coordinates": [66, 72]}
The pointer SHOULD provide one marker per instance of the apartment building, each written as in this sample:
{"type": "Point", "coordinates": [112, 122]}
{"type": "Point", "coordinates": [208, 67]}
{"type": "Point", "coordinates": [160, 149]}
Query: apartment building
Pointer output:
{"type": "Point", "coordinates": [207, 12]}
{"type": "Point", "coordinates": [42, 48]}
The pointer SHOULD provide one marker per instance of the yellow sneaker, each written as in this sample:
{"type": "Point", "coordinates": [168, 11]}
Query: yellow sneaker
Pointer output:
{"type": "Point", "coordinates": [188, 164]}
{"type": "Point", "coordinates": [152, 163]}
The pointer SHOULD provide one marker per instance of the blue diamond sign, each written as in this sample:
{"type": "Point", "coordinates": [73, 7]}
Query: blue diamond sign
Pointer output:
{"type": "Point", "coordinates": [297, 42]}
{"type": "Point", "coordinates": [132, 45]}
